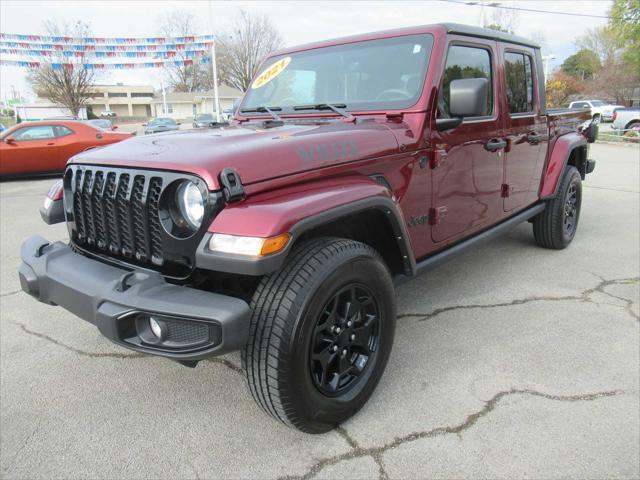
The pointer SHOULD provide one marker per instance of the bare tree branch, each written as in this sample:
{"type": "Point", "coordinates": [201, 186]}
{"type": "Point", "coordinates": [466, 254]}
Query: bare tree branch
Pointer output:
{"type": "Point", "coordinates": [242, 51]}
{"type": "Point", "coordinates": [72, 86]}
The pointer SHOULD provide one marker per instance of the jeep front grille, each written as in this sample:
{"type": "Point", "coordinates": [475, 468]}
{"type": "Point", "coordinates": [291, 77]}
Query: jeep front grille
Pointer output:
{"type": "Point", "coordinates": [116, 213]}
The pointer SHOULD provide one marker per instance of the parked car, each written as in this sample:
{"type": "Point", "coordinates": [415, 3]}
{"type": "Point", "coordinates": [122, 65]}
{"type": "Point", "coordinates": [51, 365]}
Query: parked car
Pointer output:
{"type": "Point", "coordinates": [600, 111]}
{"type": "Point", "coordinates": [102, 124]}
{"type": "Point", "coordinates": [283, 234]}
{"type": "Point", "coordinates": [158, 125]}
{"type": "Point", "coordinates": [203, 120]}
{"type": "Point", "coordinates": [44, 147]}
{"type": "Point", "coordinates": [626, 118]}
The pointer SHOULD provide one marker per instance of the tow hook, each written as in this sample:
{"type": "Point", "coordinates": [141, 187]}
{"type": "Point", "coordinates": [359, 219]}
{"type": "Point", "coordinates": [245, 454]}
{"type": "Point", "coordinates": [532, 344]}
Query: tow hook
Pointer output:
{"type": "Point", "coordinates": [233, 189]}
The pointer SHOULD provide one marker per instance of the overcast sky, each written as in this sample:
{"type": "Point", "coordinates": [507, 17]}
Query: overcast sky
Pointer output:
{"type": "Point", "coordinates": [297, 21]}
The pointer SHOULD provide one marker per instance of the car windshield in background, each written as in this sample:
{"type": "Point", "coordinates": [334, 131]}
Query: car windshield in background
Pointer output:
{"type": "Point", "coordinates": [597, 103]}
{"type": "Point", "coordinates": [372, 75]}
{"type": "Point", "coordinates": [204, 118]}
{"type": "Point", "coordinates": [162, 121]}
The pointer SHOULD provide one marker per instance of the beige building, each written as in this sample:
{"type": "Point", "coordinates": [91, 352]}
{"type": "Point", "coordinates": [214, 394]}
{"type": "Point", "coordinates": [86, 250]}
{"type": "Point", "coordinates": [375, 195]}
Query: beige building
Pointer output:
{"type": "Point", "coordinates": [185, 105]}
{"type": "Point", "coordinates": [124, 100]}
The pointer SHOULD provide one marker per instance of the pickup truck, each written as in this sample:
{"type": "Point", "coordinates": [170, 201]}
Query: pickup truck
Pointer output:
{"type": "Point", "coordinates": [350, 166]}
{"type": "Point", "coordinates": [626, 119]}
{"type": "Point", "coordinates": [600, 111]}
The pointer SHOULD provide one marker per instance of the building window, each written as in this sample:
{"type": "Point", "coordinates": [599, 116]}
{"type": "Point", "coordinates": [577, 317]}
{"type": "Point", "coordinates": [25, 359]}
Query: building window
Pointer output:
{"type": "Point", "coordinates": [141, 95]}
{"type": "Point", "coordinates": [169, 108]}
{"type": "Point", "coordinates": [117, 94]}
{"type": "Point", "coordinates": [195, 109]}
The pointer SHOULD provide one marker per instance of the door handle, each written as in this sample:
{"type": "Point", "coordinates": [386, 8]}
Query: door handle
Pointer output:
{"type": "Point", "coordinates": [50, 143]}
{"type": "Point", "coordinates": [495, 144]}
{"type": "Point", "coordinates": [533, 138]}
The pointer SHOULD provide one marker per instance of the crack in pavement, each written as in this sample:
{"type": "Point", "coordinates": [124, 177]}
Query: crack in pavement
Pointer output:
{"type": "Point", "coordinates": [222, 361]}
{"type": "Point", "coordinates": [473, 418]}
{"type": "Point", "coordinates": [382, 474]}
{"type": "Point", "coordinates": [584, 296]}
{"type": "Point", "coordinates": [22, 447]}
{"type": "Point", "coordinates": [85, 353]}
{"type": "Point", "coordinates": [8, 294]}
{"type": "Point", "coordinates": [77, 350]}
{"type": "Point", "coordinates": [612, 189]}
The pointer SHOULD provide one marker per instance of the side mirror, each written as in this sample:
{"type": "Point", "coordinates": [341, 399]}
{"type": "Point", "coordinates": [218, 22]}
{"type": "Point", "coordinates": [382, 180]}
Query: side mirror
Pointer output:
{"type": "Point", "coordinates": [179, 123]}
{"type": "Point", "coordinates": [467, 98]}
{"type": "Point", "coordinates": [10, 140]}
{"type": "Point", "coordinates": [115, 127]}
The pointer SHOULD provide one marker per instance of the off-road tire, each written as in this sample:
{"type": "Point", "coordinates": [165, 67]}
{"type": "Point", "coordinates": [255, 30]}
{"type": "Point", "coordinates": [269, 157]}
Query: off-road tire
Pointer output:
{"type": "Point", "coordinates": [549, 225]}
{"type": "Point", "coordinates": [285, 306]}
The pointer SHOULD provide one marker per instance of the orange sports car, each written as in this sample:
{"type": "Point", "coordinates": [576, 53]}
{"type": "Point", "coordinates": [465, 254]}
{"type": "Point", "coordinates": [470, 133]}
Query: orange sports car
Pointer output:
{"type": "Point", "coordinates": [45, 146]}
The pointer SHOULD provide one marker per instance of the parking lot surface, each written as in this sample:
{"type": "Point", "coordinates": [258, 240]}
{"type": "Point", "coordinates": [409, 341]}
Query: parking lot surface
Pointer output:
{"type": "Point", "coordinates": [511, 361]}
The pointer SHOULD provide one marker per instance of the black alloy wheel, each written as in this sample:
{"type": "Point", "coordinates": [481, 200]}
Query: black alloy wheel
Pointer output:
{"type": "Point", "coordinates": [345, 340]}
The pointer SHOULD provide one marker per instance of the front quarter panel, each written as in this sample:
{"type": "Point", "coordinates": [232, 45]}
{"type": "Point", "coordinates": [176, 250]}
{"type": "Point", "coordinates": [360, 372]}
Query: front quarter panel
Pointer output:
{"type": "Point", "coordinates": [295, 210]}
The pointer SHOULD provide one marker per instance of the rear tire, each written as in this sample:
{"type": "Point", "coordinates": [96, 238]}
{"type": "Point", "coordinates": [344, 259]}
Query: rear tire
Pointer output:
{"type": "Point", "coordinates": [556, 226]}
{"type": "Point", "coordinates": [321, 332]}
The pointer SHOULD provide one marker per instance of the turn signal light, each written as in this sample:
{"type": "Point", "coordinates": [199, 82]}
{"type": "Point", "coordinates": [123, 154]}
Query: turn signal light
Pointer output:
{"type": "Point", "coordinates": [251, 246]}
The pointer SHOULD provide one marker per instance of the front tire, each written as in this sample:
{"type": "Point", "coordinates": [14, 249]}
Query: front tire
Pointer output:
{"type": "Point", "coordinates": [321, 332]}
{"type": "Point", "coordinates": [556, 226]}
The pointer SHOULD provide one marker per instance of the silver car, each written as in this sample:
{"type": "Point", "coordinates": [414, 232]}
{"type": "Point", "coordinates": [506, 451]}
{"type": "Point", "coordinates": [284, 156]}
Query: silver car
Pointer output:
{"type": "Point", "coordinates": [158, 125]}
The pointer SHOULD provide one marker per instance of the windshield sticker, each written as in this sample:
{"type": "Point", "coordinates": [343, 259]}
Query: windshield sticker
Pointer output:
{"type": "Point", "coordinates": [270, 73]}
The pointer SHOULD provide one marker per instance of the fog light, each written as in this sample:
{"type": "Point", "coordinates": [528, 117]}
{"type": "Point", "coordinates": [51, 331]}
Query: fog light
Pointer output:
{"type": "Point", "coordinates": [156, 328]}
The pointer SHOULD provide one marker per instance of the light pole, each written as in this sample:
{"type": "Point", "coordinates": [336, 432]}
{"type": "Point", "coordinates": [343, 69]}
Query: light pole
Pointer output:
{"type": "Point", "coordinates": [214, 68]}
{"type": "Point", "coordinates": [482, 4]}
{"type": "Point", "coordinates": [545, 59]}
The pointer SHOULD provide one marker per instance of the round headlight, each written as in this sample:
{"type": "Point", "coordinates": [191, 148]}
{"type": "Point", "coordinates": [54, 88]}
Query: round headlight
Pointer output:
{"type": "Point", "coordinates": [191, 203]}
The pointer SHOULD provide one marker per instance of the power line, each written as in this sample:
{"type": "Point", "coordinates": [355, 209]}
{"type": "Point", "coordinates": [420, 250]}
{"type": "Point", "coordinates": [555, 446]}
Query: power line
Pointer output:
{"type": "Point", "coordinates": [479, 4]}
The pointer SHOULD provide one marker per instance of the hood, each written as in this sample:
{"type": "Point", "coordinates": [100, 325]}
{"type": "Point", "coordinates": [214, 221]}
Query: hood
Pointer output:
{"type": "Point", "coordinates": [256, 153]}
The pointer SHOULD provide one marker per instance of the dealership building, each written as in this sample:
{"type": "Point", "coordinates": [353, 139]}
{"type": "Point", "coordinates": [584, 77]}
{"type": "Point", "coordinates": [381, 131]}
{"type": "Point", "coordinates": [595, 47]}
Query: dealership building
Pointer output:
{"type": "Point", "coordinates": [138, 102]}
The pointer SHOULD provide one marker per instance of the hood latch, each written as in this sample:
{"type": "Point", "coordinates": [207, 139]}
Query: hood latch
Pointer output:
{"type": "Point", "coordinates": [233, 189]}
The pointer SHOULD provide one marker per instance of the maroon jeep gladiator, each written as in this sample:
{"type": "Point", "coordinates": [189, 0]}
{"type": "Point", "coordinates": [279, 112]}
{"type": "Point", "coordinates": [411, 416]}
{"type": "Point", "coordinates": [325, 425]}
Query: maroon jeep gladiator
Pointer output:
{"type": "Point", "coordinates": [350, 165]}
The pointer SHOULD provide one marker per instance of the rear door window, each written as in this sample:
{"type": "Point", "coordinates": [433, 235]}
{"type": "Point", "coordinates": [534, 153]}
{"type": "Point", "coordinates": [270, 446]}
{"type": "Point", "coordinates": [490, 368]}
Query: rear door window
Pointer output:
{"type": "Point", "coordinates": [519, 76]}
{"type": "Point", "coordinates": [466, 62]}
{"type": "Point", "coordinates": [62, 131]}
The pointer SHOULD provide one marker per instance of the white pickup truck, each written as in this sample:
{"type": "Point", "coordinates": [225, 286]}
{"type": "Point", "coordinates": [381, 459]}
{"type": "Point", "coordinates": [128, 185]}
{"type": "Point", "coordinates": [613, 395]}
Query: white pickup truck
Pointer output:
{"type": "Point", "coordinates": [626, 119]}
{"type": "Point", "coordinates": [600, 111]}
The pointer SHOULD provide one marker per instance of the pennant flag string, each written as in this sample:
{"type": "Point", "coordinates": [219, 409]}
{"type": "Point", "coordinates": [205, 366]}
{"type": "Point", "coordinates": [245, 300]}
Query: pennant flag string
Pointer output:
{"type": "Point", "coordinates": [104, 40]}
{"type": "Point", "coordinates": [106, 48]}
{"type": "Point", "coordinates": [100, 66]}
{"type": "Point", "coordinates": [103, 54]}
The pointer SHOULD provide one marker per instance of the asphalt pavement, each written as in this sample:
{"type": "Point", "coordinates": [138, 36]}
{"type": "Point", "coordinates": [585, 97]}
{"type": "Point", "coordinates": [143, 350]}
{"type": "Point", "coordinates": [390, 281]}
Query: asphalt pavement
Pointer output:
{"type": "Point", "coordinates": [509, 362]}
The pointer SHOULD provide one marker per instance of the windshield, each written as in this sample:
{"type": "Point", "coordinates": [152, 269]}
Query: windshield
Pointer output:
{"type": "Point", "coordinates": [205, 118]}
{"type": "Point", "coordinates": [372, 75]}
{"type": "Point", "coordinates": [162, 121]}
{"type": "Point", "coordinates": [597, 103]}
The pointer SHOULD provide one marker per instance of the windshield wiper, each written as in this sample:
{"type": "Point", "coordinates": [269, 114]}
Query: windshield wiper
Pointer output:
{"type": "Point", "coordinates": [336, 107]}
{"type": "Point", "coordinates": [269, 110]}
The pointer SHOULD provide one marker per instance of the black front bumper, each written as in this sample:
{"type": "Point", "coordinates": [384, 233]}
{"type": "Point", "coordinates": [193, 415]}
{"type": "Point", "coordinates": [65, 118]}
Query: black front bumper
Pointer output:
{"type": "Point", "coordinates": [119, 302]}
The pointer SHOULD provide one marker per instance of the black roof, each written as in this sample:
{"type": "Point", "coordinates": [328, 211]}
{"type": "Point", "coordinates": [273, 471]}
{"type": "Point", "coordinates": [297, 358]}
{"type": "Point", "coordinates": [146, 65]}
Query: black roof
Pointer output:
{"type": "Point", "coordinates": [488, 33]}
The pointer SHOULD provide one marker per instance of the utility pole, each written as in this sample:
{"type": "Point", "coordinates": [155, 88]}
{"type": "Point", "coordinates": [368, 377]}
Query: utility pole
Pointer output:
{"type": "Point", "coordinates": [214, 68]}
{"type": "Point", "coordinates": [545, 59]}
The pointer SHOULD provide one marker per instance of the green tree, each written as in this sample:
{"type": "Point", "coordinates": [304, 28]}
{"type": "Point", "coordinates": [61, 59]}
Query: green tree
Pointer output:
{"type": "Point", "coordinates": [583, 65]}
{"type": "Point", "coordinates": [625, 23]}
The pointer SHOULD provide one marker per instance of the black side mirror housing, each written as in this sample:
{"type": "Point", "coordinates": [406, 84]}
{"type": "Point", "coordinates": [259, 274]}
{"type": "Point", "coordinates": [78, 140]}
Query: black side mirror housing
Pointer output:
{"type": "Point", "coordinates": [468, 97]}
